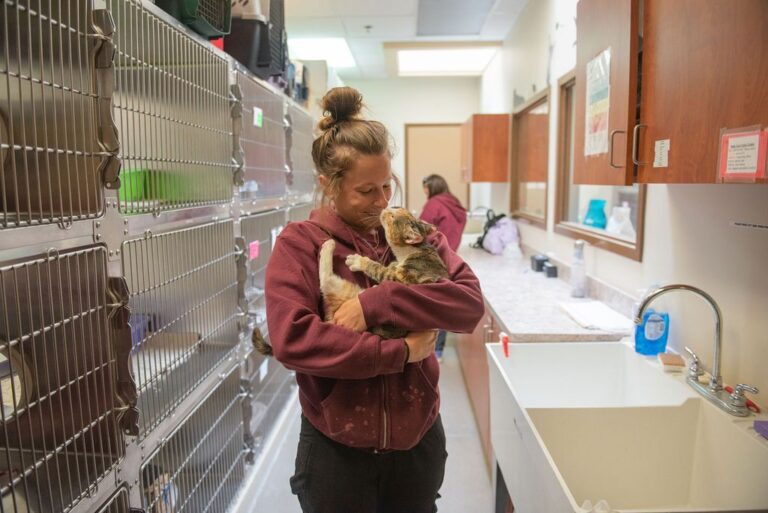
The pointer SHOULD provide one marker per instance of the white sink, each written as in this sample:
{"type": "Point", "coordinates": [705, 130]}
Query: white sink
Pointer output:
{"type": "Point", "coordinates": [578, 421]}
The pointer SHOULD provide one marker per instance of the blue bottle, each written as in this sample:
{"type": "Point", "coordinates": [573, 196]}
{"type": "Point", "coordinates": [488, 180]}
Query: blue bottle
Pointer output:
{"type": "Point", "coordinates": [596, 214]}
{"type": "Point", "coordinates": [651, 335]}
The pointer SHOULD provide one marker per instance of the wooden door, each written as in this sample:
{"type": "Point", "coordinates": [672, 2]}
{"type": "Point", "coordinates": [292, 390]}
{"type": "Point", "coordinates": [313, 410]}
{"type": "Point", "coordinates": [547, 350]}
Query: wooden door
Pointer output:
{"type": "Point", "coordinates": [705, 68]}
{"type": "Point", "coordinates": [606, 25]}
{"type": "Point", "coordinates": [490, 148]}
{"type": "Point", "coordinates": [433, 149]}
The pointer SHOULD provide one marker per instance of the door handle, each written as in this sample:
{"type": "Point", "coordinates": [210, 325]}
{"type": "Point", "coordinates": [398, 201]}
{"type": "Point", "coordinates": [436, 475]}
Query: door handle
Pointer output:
{"type": "Point", "coordinates": [610, 150]}
{"type": "Point", "coordinates": [635, 137]}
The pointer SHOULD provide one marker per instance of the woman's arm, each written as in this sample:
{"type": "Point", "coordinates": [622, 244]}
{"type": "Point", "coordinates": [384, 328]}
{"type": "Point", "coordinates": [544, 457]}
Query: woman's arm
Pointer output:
{"type": "Point", "coordinates": [300, 339]}
{"type": "Point", "coordinates": [454, 304]}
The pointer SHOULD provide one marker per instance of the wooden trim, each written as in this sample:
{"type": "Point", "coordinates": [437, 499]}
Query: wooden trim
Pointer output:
{"type": "Point", "coordinates": [405, 155]}
{"type": "Point", "coordinates": [514, 188]}
{"type": "Point", "coordinates": [562, 226]}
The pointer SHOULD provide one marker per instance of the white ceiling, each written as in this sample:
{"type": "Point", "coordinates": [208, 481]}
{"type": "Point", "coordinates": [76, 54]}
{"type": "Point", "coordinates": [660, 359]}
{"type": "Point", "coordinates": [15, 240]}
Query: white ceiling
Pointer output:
{"type": "Point", "coordinates": [394, 21]}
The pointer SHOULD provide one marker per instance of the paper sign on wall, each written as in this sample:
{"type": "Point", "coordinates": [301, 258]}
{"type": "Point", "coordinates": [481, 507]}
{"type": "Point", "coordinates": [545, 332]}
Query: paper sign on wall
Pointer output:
{"type": "Point", "coordinates": [598, 104]}
{"type": "Point", "coordinates": [743, 154]}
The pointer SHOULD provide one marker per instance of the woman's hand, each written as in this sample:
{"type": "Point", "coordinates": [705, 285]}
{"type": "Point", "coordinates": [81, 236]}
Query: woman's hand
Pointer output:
{"type": "Point", "coordinates": [421, 344]}
{"type": "Point", "coordinates": [350, 315]}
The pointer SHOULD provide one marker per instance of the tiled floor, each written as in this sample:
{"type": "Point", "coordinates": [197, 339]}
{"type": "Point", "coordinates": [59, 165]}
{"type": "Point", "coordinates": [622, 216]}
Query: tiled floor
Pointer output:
{"type": "Point", "coordinates": [467, 485]}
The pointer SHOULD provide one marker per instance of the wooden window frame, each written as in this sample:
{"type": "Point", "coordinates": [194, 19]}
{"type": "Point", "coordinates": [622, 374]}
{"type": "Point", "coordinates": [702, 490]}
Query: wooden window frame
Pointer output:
{"type": "Point", "coordinates": [514, 200]}
{"type": "Point", "coordinates": [573, 230]}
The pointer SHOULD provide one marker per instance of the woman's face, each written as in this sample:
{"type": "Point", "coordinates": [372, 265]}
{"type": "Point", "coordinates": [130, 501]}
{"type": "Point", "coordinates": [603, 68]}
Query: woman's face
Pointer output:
{"type": "Point", "coordinates": [365, 191]}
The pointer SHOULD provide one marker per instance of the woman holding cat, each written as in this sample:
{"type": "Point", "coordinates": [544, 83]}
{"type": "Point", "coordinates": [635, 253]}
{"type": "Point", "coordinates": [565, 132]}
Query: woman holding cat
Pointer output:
{"type": "Point", "coordinates": [371, 437]}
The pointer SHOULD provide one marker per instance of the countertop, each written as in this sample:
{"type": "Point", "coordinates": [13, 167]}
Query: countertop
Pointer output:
{"type": "Point", "coordinates": [527, 302]}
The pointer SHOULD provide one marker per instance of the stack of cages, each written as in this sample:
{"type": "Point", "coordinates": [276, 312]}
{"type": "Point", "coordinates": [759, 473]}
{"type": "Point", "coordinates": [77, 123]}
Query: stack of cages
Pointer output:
{"type": "Point", "coordinates": [178, 258]}
{"type": "Point", "coordinates": [59, 409]}
{"type": "Point", "coordinates": [264, 138]}
{"type": "Point", "coordinates": [132, 258]}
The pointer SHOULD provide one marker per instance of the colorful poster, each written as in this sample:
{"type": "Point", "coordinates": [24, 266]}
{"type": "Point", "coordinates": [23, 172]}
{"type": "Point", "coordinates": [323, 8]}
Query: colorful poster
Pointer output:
{"type": "Point", "coordinates": [598, 103]}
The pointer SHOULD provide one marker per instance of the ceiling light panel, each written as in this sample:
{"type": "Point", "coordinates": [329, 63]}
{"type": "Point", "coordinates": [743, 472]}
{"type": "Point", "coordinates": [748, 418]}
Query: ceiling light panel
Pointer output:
{"type": "Point", "coordinates": [444, 62]}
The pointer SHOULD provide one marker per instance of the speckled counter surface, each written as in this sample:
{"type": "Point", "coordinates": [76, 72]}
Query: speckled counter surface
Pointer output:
{"type": "Point", "coordinates": [527, 302]}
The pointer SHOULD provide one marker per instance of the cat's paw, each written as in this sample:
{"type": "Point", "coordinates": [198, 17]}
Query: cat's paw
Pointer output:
{"type": "Point", "coordinates": [355, 262]}
{"type": "Point", "coordinates": [329, 245]}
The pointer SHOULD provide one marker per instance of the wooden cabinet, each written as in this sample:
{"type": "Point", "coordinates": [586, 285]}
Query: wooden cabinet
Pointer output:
{"type": "Point", "coordinates": [485, 148]}
{"type": "Point", "coordinates": [679, 73]}
{"type": "Point", "coordinates": [474, 365]}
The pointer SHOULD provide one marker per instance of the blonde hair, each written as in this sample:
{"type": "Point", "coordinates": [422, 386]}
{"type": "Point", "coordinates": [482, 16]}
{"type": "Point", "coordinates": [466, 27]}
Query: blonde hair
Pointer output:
{"type": "Point", "coordinates": [345, 136]}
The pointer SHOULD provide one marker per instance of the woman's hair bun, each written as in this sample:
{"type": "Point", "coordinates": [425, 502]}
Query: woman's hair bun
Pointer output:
{"type": "Point", "coordinates": [340, 104]}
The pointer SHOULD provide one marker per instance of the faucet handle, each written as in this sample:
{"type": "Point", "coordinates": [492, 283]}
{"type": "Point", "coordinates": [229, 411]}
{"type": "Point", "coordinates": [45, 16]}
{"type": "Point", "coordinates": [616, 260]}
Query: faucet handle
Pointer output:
{"type": "Point", "coordinates": [737, 398]}
{"type": "Point", "coordinates": [694, 368]}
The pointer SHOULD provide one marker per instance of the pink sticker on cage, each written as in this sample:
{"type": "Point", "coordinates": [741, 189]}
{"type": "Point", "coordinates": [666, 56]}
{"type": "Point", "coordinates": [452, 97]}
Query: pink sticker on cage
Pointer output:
{"type": "Point", "coordinates": [253, 250]}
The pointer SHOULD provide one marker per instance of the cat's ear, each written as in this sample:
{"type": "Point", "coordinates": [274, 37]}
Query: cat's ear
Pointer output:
{"type": "Point", "coordinates": [429, 228]}
{"type": "Point", "coordinates": [412, 236]}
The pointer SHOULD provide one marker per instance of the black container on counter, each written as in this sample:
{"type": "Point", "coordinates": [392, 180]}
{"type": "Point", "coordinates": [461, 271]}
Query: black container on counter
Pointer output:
{"type": "Point", "coordinates": [537, 262]}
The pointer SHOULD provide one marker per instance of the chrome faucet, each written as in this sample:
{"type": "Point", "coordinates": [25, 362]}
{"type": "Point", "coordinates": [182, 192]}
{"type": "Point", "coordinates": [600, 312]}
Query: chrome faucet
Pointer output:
{"type": "Point", "coordinates": [733, 403]}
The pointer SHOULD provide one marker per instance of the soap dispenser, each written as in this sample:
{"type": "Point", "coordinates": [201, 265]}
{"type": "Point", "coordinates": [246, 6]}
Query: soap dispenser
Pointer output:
{"type": "Point", "coordinates": [578, 271]}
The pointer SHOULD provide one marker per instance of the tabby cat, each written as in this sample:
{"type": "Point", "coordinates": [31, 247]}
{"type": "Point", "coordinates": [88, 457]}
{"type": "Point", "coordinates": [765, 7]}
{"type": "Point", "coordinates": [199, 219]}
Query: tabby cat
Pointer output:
{"type": "Point", "coordinates": [416, 262]}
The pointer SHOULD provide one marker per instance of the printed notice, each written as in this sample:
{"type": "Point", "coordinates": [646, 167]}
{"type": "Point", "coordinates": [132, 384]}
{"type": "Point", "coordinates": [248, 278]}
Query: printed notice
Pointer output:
{"type": "Point", "coordinates": [263, 370]}
{"type": "Point", "coordinates": [258, 117]}
{"type": "Point", "coordinates": [598, 103]}
{"type": "Point", "coordinates": [661, 153]}
{"type": "Point", "coordinates": [743, 154]}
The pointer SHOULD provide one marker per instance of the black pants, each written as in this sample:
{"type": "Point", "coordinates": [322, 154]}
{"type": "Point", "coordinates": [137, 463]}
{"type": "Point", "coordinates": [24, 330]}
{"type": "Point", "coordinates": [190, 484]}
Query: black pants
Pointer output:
{"type": "Point", "coordinates": [333, 478]}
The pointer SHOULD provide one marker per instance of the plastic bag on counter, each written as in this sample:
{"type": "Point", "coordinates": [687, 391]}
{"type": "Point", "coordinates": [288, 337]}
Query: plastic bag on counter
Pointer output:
{"type": "Point", "coordinates": [499, 232]}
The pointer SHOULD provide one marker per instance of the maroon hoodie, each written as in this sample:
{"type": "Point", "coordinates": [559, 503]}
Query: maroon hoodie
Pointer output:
{"type": "Point", "coordinates": [445, 211]}
{"type": "Point", "coordinates": [356, 388]}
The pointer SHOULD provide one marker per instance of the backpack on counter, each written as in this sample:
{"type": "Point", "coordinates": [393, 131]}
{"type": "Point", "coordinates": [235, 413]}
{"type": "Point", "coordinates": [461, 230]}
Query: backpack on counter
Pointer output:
{"type": "Point", "coordinates": [498, 231]}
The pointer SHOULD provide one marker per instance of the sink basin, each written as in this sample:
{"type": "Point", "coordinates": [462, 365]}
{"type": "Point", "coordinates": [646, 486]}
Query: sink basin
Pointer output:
{"type": "Point", "coordinates": [571, 422]}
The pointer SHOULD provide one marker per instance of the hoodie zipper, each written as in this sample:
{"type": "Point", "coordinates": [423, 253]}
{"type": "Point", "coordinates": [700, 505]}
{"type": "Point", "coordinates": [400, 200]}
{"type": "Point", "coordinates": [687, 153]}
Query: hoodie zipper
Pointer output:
{"type": "Point", "coordinates": [384, 423]}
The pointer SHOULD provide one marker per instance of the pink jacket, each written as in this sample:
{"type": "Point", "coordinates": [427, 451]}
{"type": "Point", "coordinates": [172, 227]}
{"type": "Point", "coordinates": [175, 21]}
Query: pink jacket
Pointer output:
{"type": "Point", "coordinates": [356, 388]}
{"type": "Point", "coordinates": [445, 211]}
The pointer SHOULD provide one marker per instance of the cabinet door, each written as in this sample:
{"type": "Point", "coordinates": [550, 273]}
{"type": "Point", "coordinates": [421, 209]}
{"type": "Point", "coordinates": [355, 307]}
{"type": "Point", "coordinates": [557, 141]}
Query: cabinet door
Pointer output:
{"type": "Point", "coordinates": [474, 366]}
{"type": "Point", "coordinates": [490, 148]}
{"type": "Point", "coordinates": [705, 67]}
{"type": "Point", "coordinates": [606, 25]}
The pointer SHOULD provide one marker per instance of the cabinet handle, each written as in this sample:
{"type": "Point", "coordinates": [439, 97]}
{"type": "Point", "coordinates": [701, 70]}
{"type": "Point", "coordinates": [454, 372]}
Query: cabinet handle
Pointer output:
{"type": "Point", "coordinates": [610, 152]}
{"type": "Point", "coordinates": [635, 137]}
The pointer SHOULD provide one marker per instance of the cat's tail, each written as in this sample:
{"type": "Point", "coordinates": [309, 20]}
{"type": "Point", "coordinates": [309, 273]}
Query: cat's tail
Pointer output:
{"type": "Point", "coordinates": [260, 343]}
{"type": "Point", "coordinates": [325, 263]}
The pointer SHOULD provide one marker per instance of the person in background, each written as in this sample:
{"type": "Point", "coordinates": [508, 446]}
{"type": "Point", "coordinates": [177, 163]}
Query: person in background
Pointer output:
{"type": "Point", "coordinates": [445, 211]}
{"type": "Point", "coordinates": [371, 438]}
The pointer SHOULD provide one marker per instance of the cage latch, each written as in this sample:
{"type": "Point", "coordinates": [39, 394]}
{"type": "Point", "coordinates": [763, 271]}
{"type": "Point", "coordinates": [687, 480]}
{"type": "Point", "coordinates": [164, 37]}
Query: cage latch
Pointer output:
{"type": "Point", "coordinates": [238, 156]}
{"type": "Point", "coordinates": [120, 315]}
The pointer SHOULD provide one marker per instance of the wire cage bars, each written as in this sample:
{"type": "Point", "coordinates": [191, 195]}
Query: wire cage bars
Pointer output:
{"type": "Point", "coordinates": [183, 301]}
{"type": "Point", "coordinates": [200, 466]}
{"type": "Point", "coordinates": [302, 177]}
{"type": "Point", "coordinates": [269, 386]}
{"type": "Point", "coordinates": [300, 212]}
{"type": "Point", "coordinates": [262, 139]}
{"type": "Point", "coordinates": [172, 110]}
{"type": "Point", "coordinates": [259, 232]}
{"type": "Point", "coordinates": [118, 503]}
{"type": "Point", "coordinates": [58, 426]}
{"type": "Point", "coordinates": [49, 105]}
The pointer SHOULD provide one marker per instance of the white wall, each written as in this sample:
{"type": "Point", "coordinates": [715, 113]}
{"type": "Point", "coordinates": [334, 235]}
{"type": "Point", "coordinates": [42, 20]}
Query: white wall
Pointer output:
{"type": "Point", "coordinates": [400, 101]}
{"type": "Point", "coordinates": [689, 236]}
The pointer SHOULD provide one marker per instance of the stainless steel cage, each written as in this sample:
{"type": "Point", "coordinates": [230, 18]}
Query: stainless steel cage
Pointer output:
{"type": "Point", "coordinates": [259, 233]}
{"type": "Point", "coordinates": [172, 109]}
{"type": "Point", "coordinates": [262, 139]}
{"type": "Point", "coordinates": [269, 386]}
{"type": "Point", "coordinates": [50, 123]}
{"type": "Point", "coordinates": [300, 212]}
{"type": "Point", "coordinates": [58, 431]}
{"type": "Point", "coordinates": [200, 466]}
{"type": "Point", "coordinates": [118, 503]}
{"type": "Point", "coordinates": [301, 184]}
{"type": "Point", "coordinates": [183, 300]}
